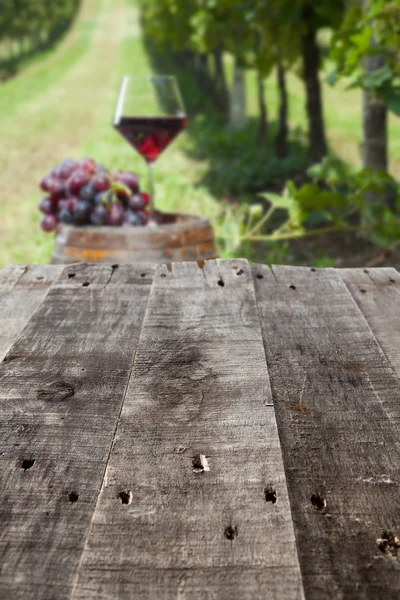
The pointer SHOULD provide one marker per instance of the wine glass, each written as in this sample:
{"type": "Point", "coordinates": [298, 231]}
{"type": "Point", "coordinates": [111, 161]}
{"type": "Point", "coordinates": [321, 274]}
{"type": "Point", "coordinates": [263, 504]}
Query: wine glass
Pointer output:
{"type": "Point", "coordinates": [149, 115]}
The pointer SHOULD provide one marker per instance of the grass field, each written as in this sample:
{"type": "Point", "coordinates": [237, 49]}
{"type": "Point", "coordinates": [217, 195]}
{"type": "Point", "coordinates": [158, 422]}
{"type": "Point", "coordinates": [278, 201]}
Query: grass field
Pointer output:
{"type": "Point", "coordinates": [62, 105]}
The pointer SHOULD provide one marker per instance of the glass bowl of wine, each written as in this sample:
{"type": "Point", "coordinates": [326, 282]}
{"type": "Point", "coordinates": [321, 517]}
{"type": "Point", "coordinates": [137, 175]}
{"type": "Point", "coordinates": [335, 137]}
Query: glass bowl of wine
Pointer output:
{"type": "Point", "coordinates": [150, 114]}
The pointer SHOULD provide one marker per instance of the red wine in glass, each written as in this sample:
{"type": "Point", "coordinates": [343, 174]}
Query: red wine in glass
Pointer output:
{"type": "Point", "coordinates": [150, 135]}
{"type": "Point", "coordinates": [149, 115]}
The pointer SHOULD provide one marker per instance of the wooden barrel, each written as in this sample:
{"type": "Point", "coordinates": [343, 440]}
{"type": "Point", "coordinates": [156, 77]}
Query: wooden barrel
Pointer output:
{"type": "Point", "coordinates": [180, 238]}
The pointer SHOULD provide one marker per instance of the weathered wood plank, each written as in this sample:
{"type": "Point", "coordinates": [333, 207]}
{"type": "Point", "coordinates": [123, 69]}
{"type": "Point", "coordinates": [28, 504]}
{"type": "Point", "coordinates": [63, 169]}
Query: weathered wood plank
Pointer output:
{"type": "Point", "coordinates": [22, 290]}
{"type": "Point", "coordinates": [165, 528]}
{"type": "Point", "coordinates": [61, 392]}
{"type": "Point", "coordinates": [10, 274]}
{"type": "Point", "coordinates": [377, 294]}
{"type": "Point", "coordinates": [337, 405]}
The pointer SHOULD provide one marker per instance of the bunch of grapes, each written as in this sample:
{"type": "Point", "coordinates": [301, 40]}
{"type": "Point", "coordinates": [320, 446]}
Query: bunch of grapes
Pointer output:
{"type": "Point", "coordinates": [86, 193]}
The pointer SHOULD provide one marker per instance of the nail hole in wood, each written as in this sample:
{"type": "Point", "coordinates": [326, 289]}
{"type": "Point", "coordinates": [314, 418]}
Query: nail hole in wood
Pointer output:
{"type": "Point", "coordinates": [292, 287]}
{"type": "Point", "coordinates": [389, 544]}
{"type": "Point", "coordinates": [200, 463]}
{"type": "Point", "coordinates": [39, 278]}
{"type": "Point", "coordinates": [363, 291]}
{"type": "Point", "coordinates": [85, 284]}
{"type": "Point", "coordinates": [125, 496]}
{"type": "Point", "coordinates": [71, 275]}
{"type": "Point", "coordinates": [73, 497]}
{"type": "Point", "coordinates": [47, 514]}
{"type": "Point", "coordinates": [239, 272]}
{"type": "Point", "coordinates": [221, 282]}
{"type": "Point", "coordinates": [259, 276]}
{"type": "Point", "coordinates": [231, 532]}
{"type": "Point", "coordinates": [270, 495]}
{"type": "Point", "coordinates": [366, 271]}
{"type": "Point", "coordinates": [27, 464]}
{"type": "Point", "coordinates": [392, 280]}
{"type": "Point", "coordinates": [318, 502]}
{"type": "Point", "coordinates": [163, 275]}
{"type": "Point", "coordinates": [313, 269]}
{"type": "Point", "coordinates": [114, 267]}
{"type": "Point", "coordinates": [142, 274]}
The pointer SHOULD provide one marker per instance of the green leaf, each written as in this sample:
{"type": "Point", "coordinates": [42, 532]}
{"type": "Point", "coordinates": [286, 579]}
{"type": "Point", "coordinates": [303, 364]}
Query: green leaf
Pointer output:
{"type": "Point", "coordinates": [390, 95]}
{"type": "Point", "coordinates": [376, 78]}
{"type": "Point", "coordinates": [332, 77]}
{"type": "Point", "coordinates": [285, 201]}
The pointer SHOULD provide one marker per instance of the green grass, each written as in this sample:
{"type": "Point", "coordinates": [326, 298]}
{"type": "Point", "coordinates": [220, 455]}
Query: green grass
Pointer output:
{"type": "Point", "coordinates": [62, 105]}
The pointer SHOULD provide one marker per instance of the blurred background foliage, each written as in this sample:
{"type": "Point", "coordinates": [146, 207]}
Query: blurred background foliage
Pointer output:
{"type": "Point", "coordinates": [31, 26]}
{"type": "Point", "coordinates": [292, 148]}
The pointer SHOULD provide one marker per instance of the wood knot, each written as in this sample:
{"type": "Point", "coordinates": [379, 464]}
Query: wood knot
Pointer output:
{"type": "Point", "coordinates": [59, 390]}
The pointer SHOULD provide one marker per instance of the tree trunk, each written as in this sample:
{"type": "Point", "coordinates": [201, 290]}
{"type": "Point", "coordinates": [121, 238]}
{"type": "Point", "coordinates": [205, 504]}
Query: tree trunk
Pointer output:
{"type": "Point", "coordinates": [375, 135]}
{"type": "Point", "coordinates": [238, 99]}
{"type": "Point", "coordinates": [184, 59]}
{"type": "Point", "coordinates": [204, 79]}
{"type": "Point", "coordinates": [220, 81]}
{"type": "Point", "coordinates": [262, 105]}
{"type": "Point", "coordinates": [281, 145]}
{"type": "Point", "coordinates": [311, 61]}
{"type": "Point", "coordinates": [263, 111]}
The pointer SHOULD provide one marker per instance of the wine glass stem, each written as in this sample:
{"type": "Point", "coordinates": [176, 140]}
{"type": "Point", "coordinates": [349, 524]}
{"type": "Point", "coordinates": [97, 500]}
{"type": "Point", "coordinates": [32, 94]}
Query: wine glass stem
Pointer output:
{"type": "Point", "coordinates": [151, 188]}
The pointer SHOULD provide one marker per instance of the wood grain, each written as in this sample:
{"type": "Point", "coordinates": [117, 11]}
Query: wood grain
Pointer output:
{"type": "Point", "coordinates": [377, 294]}
{"type": "Point", "coordinates": [61, 392]}
{"type": "Point", "coordinates": [22, 290]}
{"type": "Point", "coordinates": [165, 528]}
{"type": "Point", "coordinates": [182, 237]}
{"type": "Point", "coordinates": [338, 412]}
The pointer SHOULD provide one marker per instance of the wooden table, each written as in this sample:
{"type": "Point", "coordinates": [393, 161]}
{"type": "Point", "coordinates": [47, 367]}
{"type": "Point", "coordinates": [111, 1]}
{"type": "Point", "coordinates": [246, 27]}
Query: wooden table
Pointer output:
{"type": "Point", "coordinates": [223, 433]}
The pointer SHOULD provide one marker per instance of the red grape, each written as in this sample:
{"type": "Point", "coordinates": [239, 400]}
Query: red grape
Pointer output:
{"type": "Point", "coordinates": [87, 164]}
{"type": "Point", "coordinates": [82, 212]}
{"type": "Point", "coordinates": [53, 185]}
{"type": "Point", "coordinates": [132, 218]}
{"type": "Point", "coordinates": [71, 203]}
{"type": "Point", "coordinates": [116, 214]}
{"type": "Point", "coordinates": [87, 192]}
{"type": "Point", "coordinates": [145, 198]}
{"type": "Point", "coordinates": [144, 216]}
{"type": "Point", "coordinates": [101, 183]}
{"type": "Point", "coordinates": [99, 215]}
{"type": "Point", "coordinates": [127, 178]}
{"type": "Point", "coordinates": [56, 172]}
{"type": "Point", "coordinates": [77, 180]}
{"type": "Point", "coordinates": [67, 167]}
{"type": "Point", "coordinates": [63, 204]}
{"type": "Point", "coordinates": [44, 183]}
{"type": "Point", "coordinates": [136, 202]}
{"type": "Point", "coordinates": [49, 223]}
{"type": "Point", "coordinates": [46, 205]}
{"type": "Point", "coordinates": [65, 216]}
{"type": "Point", "coordinates": [56, 187]}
